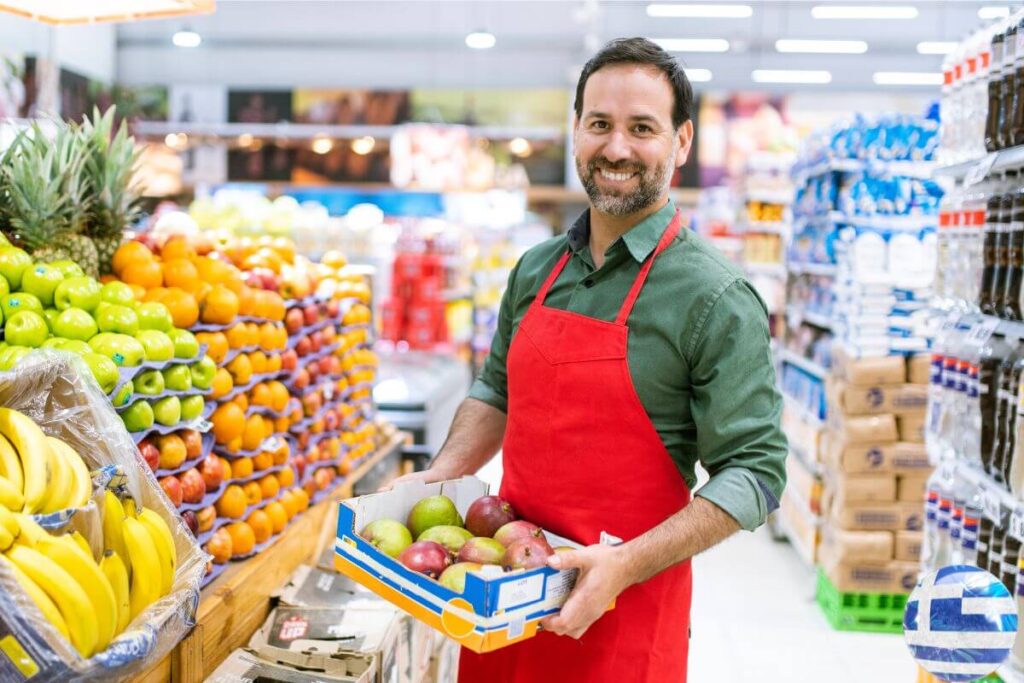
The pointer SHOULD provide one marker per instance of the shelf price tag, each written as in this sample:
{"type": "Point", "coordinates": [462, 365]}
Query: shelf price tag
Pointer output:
{"type": "Point", "coordinates": [990, 503]}
{"type": "Point", "coordinates": [202, 426]}
{"type": "Point", "coordinates": [978, 172]}
{"type": "Point", "coordinates": [1017, 524]}
{"type": "Point", "coordinates": [983, 330]}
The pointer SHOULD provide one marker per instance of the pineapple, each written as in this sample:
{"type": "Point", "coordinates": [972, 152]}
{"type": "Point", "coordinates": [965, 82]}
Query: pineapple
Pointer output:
{"type": "Point", "coordinates": [45, 204]}
{"type": "Point", "coordinates": [109, 167]}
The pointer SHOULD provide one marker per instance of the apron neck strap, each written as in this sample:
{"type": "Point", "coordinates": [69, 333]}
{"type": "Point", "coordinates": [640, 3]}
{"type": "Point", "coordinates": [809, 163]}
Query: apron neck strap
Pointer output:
{"type": "Point", "coordinates": [666, 239]}
{"type": "Point", "coordinates": [542, 293]}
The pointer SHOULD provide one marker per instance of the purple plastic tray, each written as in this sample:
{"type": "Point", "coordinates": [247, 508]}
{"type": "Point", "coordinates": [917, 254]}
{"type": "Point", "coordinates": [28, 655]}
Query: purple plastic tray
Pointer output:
{"type": "Point", "coordinates": [199, 424]}
{"type": "Point", "coordinates": [217, 570]}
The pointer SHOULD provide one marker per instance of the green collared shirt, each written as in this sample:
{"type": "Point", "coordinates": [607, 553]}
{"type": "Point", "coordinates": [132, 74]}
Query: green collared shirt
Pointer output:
{"type": "Point", "coordinates": [698, 353]}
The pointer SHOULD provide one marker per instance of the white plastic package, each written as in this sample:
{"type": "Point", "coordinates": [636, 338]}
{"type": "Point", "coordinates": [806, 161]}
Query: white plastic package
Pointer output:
{"type": "Point", "coordinates": [57, 390]}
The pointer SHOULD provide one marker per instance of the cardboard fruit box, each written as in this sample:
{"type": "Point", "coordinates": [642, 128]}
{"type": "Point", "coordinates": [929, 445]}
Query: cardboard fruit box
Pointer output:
{"type": "Point", "coordinates": [491, 613]}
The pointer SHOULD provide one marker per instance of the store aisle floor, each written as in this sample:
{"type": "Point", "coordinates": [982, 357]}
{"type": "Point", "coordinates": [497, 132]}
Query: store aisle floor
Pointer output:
{"type": "Point", "coordinates": [755, 620]}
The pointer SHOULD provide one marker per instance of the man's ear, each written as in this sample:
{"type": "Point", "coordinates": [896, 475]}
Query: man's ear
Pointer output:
{"type": "Point", "coordinates": [685, 133]}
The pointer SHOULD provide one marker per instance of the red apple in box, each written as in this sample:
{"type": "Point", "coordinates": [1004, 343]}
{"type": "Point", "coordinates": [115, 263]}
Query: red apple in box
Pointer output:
{"type": "Point", "coordinates": [150, 453]}
{"type": "Point", "coordinates": [310, 487]}
{"type": "Point", "coordinates": [304, 347]}
{"type": "Point", "coordinates": [314, 371]}
{"type": "Point", "coordinates": [333, 309]}
{"type": "Point", "coordinates": [317, 340]}
{"type": "Point", "coordinates": [193, 443]}
{"type": "Point", "coordinates": [334, 365]}
{"type": "Point", "coordinates": [172, 451]}
{"type": "Point", "coordinates": [301, 379]}
{"type": "Point", "coordinates": [172, 488]}
{"type": "Point", "coordinates": [318, 426]}
{"type": "Point", "coordinates": [303, 440]}
{"type": "Point", "coordinates": [206, 517]}
{"type": "Point", "coordinates": [311, 403]}
{"type": "Point", "coordinates": [311, 314]}
{"type": "Point", "coordinates": [289, 360]}
{"type": "Point", "coordinates": [193, 487]}
{"type": "Point", "coordinates": [325, 365]}
{"type": "Point", "coordinates": [329, 334]}
{"type": "Point", "coordinates": [323, 477]}
{"type": "Point", "coordinates": [293, 320]}
{"type": "Point", "coordinates": [298, 462]}
{"type": "Point", "coordinates": [212, 470]}
{"type": "Point", "coordinates": [331, 421]}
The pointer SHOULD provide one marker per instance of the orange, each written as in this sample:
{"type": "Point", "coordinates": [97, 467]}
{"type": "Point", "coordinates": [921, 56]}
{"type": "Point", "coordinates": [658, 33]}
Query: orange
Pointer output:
{"type": "Point", "coordinates": [212, 270]}
{"type": "Point", "coordinates": [128, 253]}
{"type": "Point", "coordinates": [234, 445]}
{"type": "Point", "coordinates": [274, 362]}
{"type": "Point", "coordinates": [247, 301]}
{"type": "Point", "coordinates": [268, 337]}
{"type": "Point", "coordinates": [282, 454]}
{"type": "Point", "coordinates": [180, 272]}
{"type": "Point", "coordinates": [219, 307]}
{"type": "Point", "coordinates": [290, 503]}
{"type": "Point", "coordinates": [258, 361]}
{"type": "Point", "coordinates": [242, 468]}
{"type": "Point", "coordinates": [217, 345]}
{"type": "Point", "coordinates": [242, 401]}
{"type": "Point", "coordinates": [228, 422]}
{"type": "Point", "coordinates": [270, 486]}
{"type": "Point", "coordinates": [285, 247]}
{"type": "Point", "coordinates": [263, 460]}
{"type": "Point", "coordinates": [155, 294]}
{"type": "Point", "coordinates": [183, 307]}
{"type": "Point", "coordinates": [252, 436]}
{"type": "Point", "coordinates": [243, 539]}
{"type": "Point", "coordinates": [232, 502]}
{"type": "Point", "coordinates": [253, 493]}
{"type": "Point", "coordinates": [222, 383]}
{"type": "Point", "coordinates": [270, 306]}
{"type": "Point", "coordinates": [261, 395]}
{"type": "Point", "coordinates": [252, 334]}
{"type": "Point", "coordinates": [303, 499]}
{"type": "Point", "coordinates": [278, 516]}
{"type": "Point", "coordinates": [177, 247]}
{"type": "Point", "coordinates": [281, 424]}
{"type": "Point", "coordinates": [237, 336]}
{"type": "Point", "coordinates": [241, 369]}
{"type": "Point", "coordinates": [286, 477]}
{"type": "Point", "coordinates": [262, 527]}
{"type": "Point", "coordinates": [278, 395]}
{"type": "Point", "coordinates": [344, 467]}
{"type": "Point", "coordinates": [202, 290]}
{"type": "Point", "coordinates": [143, 273]}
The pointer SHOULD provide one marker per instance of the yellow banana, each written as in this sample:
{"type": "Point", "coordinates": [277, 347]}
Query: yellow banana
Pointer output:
{"type": "Point", "coordinates": [146, 576]}
{"type": "Point", "coordinates": [80, 541]}
{"type": "Point", "coordinates": [164, 543]}
{"type": "Point", "coordinates": [33, 451]}
{"type": "Point", "coordinates": [10, 495]}
{"type": "Point", "coordinates": [113, 568]}
{"type": "Point", "coordinates": [6, 539]}
{"type": "Point", "coordinates": [70, 598]}
{"type": "Point", "coordinates": [59, 489]}
{"type": "Point", "coordinates": [131, 508]}
{"type": "Point", "coordinates": [39, 597]}
{"type": "Point", "coordinates": [113, 528]}
{"type": "Point", "coordinates": [81, 482]}
{"type": "Point", "coordinates": [9, 521]}
{"type": "Point", "coordinates": [30, 533]}
{"type": "Point", "coordinates": [66, 553]}
{"type": "Point", "coordinates": [10, 465]}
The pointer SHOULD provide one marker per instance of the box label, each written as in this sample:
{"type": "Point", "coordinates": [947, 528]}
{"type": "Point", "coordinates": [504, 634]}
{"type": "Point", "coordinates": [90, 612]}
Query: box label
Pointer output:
{"type": "Point", "coordinates": [524, 591]}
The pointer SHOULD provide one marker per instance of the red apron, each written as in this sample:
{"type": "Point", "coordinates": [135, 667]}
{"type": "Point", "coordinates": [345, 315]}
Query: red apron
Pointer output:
{"type": "Point", "coordinates": [581, 456]}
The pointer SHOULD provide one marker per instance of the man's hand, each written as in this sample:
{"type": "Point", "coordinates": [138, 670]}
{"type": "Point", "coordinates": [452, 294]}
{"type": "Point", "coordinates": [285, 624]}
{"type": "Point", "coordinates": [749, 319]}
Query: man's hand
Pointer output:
{"type": "Point", "coordinates": [604, 573]}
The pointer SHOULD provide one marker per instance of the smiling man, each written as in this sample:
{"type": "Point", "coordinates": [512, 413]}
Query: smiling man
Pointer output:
{"type": "Point", "coordinates": [626, 352]}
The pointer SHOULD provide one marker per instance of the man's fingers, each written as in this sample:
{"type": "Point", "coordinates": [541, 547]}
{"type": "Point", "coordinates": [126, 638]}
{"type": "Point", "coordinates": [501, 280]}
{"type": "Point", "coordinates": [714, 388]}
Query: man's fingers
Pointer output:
{"type": "Point", "coordinates": [568, 559]}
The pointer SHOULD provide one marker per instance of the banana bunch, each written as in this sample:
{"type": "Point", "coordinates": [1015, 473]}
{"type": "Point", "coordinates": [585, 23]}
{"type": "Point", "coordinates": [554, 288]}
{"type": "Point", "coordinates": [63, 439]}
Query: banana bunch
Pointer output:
{"type": "Point", "coordinates": [38, 473]}
{"type": "Point", "coordinates": [86, 601]}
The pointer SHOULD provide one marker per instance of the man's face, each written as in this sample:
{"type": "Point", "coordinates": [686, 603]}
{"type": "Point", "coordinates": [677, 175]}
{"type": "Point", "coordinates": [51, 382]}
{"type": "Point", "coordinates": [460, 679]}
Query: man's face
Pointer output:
{"type": "Point", "coordinates": [625, 144]}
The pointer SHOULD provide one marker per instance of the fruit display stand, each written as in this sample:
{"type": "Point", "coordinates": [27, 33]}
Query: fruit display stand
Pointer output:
{"type": "Point", "coordinates": [235, 604]}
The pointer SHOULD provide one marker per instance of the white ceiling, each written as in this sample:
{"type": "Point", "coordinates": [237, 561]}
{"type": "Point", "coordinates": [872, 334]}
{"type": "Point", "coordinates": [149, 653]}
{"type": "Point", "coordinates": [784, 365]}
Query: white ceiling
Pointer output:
{"type": "Point", "coordinates": [403, 43]}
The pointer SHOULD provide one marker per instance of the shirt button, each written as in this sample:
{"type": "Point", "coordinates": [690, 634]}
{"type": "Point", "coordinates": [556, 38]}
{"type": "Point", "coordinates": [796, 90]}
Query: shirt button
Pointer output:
{"type": "Point", "coordinates": [588, 283]}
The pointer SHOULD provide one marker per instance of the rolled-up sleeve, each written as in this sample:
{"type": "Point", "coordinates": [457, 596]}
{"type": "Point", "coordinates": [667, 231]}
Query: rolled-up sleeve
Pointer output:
{"type": "Point", "coordinates": [491, 385]}
{"type": "Point", "coordinates": [736, 406]}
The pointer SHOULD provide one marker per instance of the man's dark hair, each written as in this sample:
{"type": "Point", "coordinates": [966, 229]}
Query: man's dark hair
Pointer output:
{"type": "Point", "coordinates": [644, 52]}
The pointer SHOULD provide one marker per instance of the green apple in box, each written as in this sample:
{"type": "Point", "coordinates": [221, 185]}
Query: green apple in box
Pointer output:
{"type": "Point", "coordinates": [19, 301]}
{"type": "Point", "coordinates": [26, 328]}
{"type": "Point", "coordinates": [74, 323]}
{"type": "Point", "coordinates": [41, 281]}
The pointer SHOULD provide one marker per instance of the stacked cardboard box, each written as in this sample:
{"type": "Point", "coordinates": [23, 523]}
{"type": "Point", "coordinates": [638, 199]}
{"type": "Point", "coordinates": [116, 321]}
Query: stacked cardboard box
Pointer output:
{"type": "Point", "coordinates": [875, 469]}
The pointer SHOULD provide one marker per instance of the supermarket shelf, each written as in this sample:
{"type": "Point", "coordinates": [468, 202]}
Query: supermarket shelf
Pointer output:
{"type": "Point", "coordinates": [781, 197]}
{"type": "Point", "coordinates": [308, 131]}
{"type": "Point", "coordinates": [882, 222]}
{"type": "Point", "coordinates": [810, 317]}
{"type": "Point", "coordinates": [775, 228]}
{"type": "Point", "coordinates": [235, 604]}
{"type": "Point", "coordinates": [901, 168]}
{"type": "Point", "coordinates": [804, 364]}
{"type": "Point", "coordinates": [998, 504]}
{"type": "Point", "coordinates": [800, 176]}
{"type": "Point", "coordinates": [823, 269]}
{"type": "Point", "coordinates": [1010, 158]}
{"type": "Point", "coordinates": [809, 465]}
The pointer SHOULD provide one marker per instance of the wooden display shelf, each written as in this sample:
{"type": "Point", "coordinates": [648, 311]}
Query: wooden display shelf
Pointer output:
{"type": "Point", "coordinates": [237, 602]}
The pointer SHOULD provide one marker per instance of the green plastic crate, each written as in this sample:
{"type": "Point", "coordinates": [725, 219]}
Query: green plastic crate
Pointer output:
{"type": "Point", "coordinates": [874, 612]}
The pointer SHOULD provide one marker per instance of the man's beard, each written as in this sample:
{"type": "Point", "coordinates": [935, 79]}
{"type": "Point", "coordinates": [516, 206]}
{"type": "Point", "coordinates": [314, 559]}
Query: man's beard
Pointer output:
{"type": "Point", "coordinates": [651, 184]}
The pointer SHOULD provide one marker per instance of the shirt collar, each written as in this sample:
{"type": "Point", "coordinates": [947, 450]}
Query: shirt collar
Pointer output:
{"type": "Point", "coordinates": [640, 240]}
